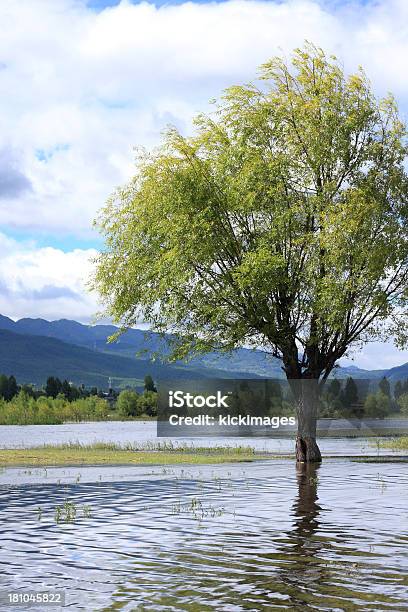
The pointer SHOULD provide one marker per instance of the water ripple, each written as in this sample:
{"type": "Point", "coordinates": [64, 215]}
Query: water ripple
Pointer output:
{"type": "Point", "coordinates": [225, 538]}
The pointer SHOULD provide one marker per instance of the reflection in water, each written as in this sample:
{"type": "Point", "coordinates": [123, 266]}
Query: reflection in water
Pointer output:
{"type": "Point", "coordinates": [265, 536]}
{"type": "Point", "coordinates": [303, 547]}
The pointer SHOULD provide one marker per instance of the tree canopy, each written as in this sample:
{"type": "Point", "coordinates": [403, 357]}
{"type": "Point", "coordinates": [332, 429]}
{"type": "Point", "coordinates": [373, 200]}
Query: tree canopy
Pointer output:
{"type": "Point", "coordinates": [281, 223]}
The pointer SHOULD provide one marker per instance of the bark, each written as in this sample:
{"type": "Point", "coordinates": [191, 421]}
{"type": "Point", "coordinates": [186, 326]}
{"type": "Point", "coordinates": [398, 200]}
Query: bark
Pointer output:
{"type": "Point", "coordinates": [307, 450]}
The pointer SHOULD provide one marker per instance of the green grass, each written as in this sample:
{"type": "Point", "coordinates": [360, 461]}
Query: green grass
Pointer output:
{"type": "Point", "coordinates": [114, 454]}
{"type": "Point", "coordinates": [152, 453]}
{"type": "Point", "coordinates": [400, 443]}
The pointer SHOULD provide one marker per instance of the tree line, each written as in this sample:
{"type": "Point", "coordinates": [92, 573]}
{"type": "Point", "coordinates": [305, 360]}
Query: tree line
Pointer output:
{"type": "Point", "coordinates": [339, 399]}
{"type": "Point", "coordinates": [351, 401]}
{"type": "Point", "coordinates": [9, 388]}
{"type": "Point", "coordinates": [59, 401]}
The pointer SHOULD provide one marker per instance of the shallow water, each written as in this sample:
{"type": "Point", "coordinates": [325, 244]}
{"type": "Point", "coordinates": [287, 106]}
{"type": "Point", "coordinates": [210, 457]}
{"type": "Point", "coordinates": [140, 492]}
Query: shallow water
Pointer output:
{"type": "Point", "coordinates": [234, 537]}
{"type": "Point", "coordinates": [122, 432]}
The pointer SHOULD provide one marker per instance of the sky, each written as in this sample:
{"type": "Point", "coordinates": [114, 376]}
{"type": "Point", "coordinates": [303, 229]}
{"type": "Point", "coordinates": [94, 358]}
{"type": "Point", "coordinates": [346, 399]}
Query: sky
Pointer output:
{"type": "Point", "coordinates": [82, 83]}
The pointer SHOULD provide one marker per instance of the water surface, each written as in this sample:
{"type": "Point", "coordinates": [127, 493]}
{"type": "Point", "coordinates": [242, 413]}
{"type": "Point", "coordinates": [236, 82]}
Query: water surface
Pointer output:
{"type": "Point", "coordinates": [259, 536]}
{"type": "Point", "coordinates": [139, 432]}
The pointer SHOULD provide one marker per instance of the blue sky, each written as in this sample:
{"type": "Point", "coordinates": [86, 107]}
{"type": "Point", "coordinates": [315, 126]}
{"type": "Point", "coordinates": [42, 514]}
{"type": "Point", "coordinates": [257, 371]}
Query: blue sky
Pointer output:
{"type": "Point", "coordinates": [84, 82]}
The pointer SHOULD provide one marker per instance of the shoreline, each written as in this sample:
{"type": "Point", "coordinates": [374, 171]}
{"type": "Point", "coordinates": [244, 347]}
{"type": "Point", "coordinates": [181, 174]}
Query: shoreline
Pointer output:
{"type": "Point", "coordinates": [66, 456]}
{"type": "Point", "coordinates": [100, 454]}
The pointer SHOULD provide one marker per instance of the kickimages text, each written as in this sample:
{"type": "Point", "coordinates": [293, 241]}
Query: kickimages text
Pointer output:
{"type": "Point", "coordinates": [229, 420]}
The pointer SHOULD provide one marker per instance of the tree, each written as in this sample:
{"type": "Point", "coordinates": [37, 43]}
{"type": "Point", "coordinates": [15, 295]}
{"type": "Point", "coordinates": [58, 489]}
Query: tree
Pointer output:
{"type": "Point", "coordinates": [8, 387]}
{"type": "Point", "coordinates": [275, 396]}
{"type": "Point", "coordinates": [149, 384]}
{"type": "Point", "coordinates": [403, 403]}
{"type": "Point", "coordinates": [53, 387]}
{"type": "Point", "coordinates": [384, 386]}
{"type": "Point", "coordinates": [377, 405]}
{"type": "Point", "coordinates": [334, 388]}
{"type": "Point", "coordinates": [127, 403]}
{"type": "Point", "coordinates": [398, 389]}
{"type": "Point", "coordinates": [4, 386]}
{"type": "Point", "coordinates": [28, 390]}
{"type": "Point", "coordinates": [12, 387]}
{"type": "Point", "coordinates": [66, 389]}
{"type": "Point", "coordinates": [281, 223]}
{"type": "Point", "coordinates": [147, 403]}
{"type": "Point", "coordinates": [384, 405]}
{"type": "Point", "coordinates": [370, 405]}
{"type": "Point", "coordinates": [349, 396]}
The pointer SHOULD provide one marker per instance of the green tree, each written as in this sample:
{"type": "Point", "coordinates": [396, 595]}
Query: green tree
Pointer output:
{"type": "Point", "coordinates": [349, 396]}
{"type": "Point", "coordinates": [12, 387]}
{"type": "Point", "coordinates": [127, 403]}
{"type": "Point", "coordinates": [8, 387]}
{"type": "Point", "coordinates": [403, 403]}
{"type": "Point", "coordinates": [384, 386]}
{"type": "Point", "coordinates": [370, 405]}
{"type": "Point", "coordinates": [334, 388]}
{"type": "Point", "coordinates": [377, 405]}
{"type": "Point", "coordinates": [28, 390]}
{"type": "Point", "coordinates": [383, 405]}
{"type": "Point", "coordinates": [398, 389]}
{"type": "Point", "coordinates": [149, 384]}
{"type": "Point", "coordinates": [282, 222]}
{"type": "Point", "coordinates": [274, 393]}
{"type": "Point", "coordinates": [53, 386]}
{"type": "Point", "coordinates": [76, 393]}
{"type": "Point", "coordinates": [4, 386]}
{"type": "Point", "coordinates": [147, 403]}
{"type": "Point", "coordinates": [66, 389]}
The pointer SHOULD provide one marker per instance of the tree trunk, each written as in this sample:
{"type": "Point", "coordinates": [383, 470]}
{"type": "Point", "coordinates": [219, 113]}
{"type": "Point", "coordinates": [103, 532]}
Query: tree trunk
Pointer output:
{"type": "Point", "coordinates": [307, 450]}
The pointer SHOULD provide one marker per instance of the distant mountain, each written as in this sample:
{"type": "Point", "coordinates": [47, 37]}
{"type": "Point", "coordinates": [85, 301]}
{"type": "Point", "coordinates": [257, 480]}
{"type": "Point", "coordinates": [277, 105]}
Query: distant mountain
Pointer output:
{"type": "Point", "coordinates": [32, 358]}
{"type": "Point", "coordinates": [397, 373]}
{"type": "Point", "coordinates": [140, 345]}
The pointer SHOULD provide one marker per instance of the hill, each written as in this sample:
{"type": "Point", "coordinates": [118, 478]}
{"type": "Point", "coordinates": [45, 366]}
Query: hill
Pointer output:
{"type": "Point", "coordinates": [141, 345]}
{"type": "Point", "coordinates": [32, 358]}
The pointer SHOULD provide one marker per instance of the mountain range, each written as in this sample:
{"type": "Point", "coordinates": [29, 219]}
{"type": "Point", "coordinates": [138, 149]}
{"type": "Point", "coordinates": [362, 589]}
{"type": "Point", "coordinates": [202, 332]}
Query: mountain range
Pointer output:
{"type": "Point", "coordinates": [33, 349]}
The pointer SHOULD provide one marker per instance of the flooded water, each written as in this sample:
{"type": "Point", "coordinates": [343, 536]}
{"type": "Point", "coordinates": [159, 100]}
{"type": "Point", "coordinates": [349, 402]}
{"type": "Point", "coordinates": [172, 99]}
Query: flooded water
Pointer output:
{"type": "Point", "coordinates": [253, 536]}
{"type": "Point", "coordinates": [261, 536]}
{"type": "Point", "coordinates": [139, 432]}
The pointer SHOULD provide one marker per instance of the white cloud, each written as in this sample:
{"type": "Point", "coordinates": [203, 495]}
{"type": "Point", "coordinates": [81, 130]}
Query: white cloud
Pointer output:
{"type": "Point", "coordinates": [45, 282]}
{"type": "Point", "coordinates": [50, 283]}
{"type": "Point", "coordinates": [376, 356]}
{"type": "Point", "coordinates": [80, 88]}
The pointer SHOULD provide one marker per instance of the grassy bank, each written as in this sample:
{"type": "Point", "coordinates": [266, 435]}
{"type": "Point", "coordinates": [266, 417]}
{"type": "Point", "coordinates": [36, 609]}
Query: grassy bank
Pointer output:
{"type": "Point", "coordinates": [112, 454]}
{"type": "Point", "coordinates": [400, 443]}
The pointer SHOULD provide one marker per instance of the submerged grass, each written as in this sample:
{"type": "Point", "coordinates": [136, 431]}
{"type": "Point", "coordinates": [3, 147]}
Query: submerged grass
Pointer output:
{"type": "Point", "coordinates": [152, 446]}
{"type": "Point", "coordinates": [75, 453]}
